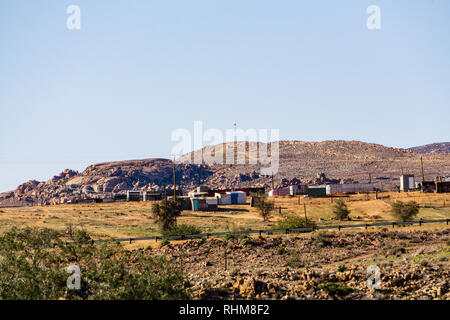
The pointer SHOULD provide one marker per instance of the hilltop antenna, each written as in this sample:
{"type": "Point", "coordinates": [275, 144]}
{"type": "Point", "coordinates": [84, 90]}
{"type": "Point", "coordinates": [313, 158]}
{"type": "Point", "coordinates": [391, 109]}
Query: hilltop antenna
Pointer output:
{"type": "Point", "coordinates": [235, 156]}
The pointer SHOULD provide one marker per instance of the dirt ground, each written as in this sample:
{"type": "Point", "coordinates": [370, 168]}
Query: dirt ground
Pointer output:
{"type": "Point", "coordinates": [133, 219]}
{"type": "Point", "coordinates": [413, 263]}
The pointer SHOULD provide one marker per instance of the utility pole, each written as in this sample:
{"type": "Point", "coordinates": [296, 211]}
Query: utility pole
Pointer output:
{"type": "Point", "coordinates": [423, 176]}
{"type": "Point", "coordinates": [174, 181]}
{"type": "Point", "coordinates": [272, 182]}
{"type": "Point", "coordinates": [370, 178]}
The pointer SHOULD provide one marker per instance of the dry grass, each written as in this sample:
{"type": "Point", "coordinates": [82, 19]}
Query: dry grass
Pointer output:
{"type": "Point", "coordinates": [133, 219]}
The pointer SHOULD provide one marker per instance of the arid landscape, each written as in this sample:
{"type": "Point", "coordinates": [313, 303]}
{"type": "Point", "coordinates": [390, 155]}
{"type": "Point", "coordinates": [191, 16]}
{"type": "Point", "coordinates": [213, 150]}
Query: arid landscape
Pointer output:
{"type": "Point", "coordinates": [413, 261]}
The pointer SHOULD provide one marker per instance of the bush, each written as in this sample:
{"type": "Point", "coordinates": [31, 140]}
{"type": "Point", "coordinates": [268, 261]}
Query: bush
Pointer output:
{"type": "Point", "coordinates": [166, 212]}
{"type": "Point", "coordinates": [33, 264]}
{"type": "Point", "coordinates": [295, 262]}
{"type": "Point", "coordinates": [234, 272]}
{"type": "Point", "coordinates": [397, 251]}
{"type": "Point", "coordinates": [340, 210]}
{"type": "Point", "coordinates": [229, 236]}
{"type": "Point", "coordinates": [322, 239]}
{"type": "Point", "coordinates": [182, 230]}
{"type": "Point", "coordinates": [265, 207]}
{"type": "Point", "coordinates": [281, 250]}
{"type": "Point", "coordinates": [164, 242]}
{"type": "Point", "coordinates": [294, 222]}
{"type": "Point", "coordinates": [405, 211]}
{"type": "Point", "coordinates": [336, 288]}
{"type": "Point", "coordinates": [342, 268]}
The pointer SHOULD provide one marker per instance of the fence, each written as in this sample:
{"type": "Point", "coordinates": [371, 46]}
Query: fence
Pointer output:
{"type": "Point", "coordinates": [270, 232]}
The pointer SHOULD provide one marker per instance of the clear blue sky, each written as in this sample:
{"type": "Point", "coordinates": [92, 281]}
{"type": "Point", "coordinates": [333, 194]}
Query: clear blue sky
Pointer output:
{"type": "Point", "coordinates": [137, 70]}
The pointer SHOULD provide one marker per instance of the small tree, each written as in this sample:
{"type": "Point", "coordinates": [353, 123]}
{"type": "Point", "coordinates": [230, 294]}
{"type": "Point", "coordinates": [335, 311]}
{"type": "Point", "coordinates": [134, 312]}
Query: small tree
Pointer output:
{"type": "Point", "coordinates": [405, 211]}
{"type": "Point", "coordinates": [265, 207]}
{"type": "Point", "coordinates": [166, 213]}
{"type": "Point", "coordinates": [341, 210]}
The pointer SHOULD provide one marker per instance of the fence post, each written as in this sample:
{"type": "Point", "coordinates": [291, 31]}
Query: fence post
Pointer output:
{"type": "Point", "coordinates": [260, 232]}
{"type": "Point", "coordinates": [420, 222]}
{"type": "Point", "coordinates": [339, 228]}
{"type": "Point", "coordinates": [366, 226]}
{"type": "Point", "coordinates": [447, 221]}
{"type": "Point", "coordinates": [130, 240]}
{"type": "Point", "coordinates": [393, 224]}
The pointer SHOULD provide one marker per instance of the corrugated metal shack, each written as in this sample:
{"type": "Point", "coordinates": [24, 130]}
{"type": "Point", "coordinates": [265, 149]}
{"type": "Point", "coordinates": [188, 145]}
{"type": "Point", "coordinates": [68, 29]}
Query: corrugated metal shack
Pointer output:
{"type": "Point", "coordinates": [152, 195]}
{"type": "Point", "coordinates": [286, 191]}
{"type": "Point", "coordinates": [248, 191]}
{"type": "Point", "coordinates": [317, 191]}
{"type": "Point", "coordinates": [133, 195]}
{"type": "Point", "coordinates": [204, 204]}
{"type": "Point", "coordinates": [349, 188]}
{"type": "Point", "coordinates": [289, 191]}
{"type": "Point", "coordinates": [436, 186]}
{"type": "Point", "coordinates": [407, 182]}
{"type": "Point", "coordinates": [223, 198]}
{"type": "Point", "coordinates": [238, 197]}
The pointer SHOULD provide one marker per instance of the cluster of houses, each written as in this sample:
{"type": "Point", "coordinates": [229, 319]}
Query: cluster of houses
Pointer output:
{"type": "Point", "coordinates": [200, 199]}
{"type": "Point", "coordinates": [322, 190]}
{"type": "Point", "coordinates": [205, 199]}
{"type": "Point", "coordinates": [440, 184]}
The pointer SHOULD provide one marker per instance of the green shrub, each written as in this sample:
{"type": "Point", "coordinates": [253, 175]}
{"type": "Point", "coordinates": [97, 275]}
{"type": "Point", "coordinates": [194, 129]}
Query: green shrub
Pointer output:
{"type": "Point", "coordinates": [166, 212]}
{"type": "Point", "coordinates": [405, 211]}
{"type": "Point", "coordinates": [322, 239]}
{"type": "Point", "coordinates": [164, 242]}
{"type": "Point", "coordinates": [281, 250]}
{"type": "Point", "coordinates": [342, 268]}
{"type": "Point", "coordinates": [397, 250]}
{"type": "Point", "coordinates": [33, 264]}
{"type": "Point", "coordinates": [246, 241]}
{"type": "Point", "coordinates": [229, 236]}
{"type": "Point", "coordinates": [336, 288]}
{"type": "Point", "coordinates": [340, 210]}
{"type": "Point", "coordinates": [182, 230]}
{"type": "Point", "coordinates": [294, 222]}
{"type": "Point", "coordinates": [265, 207]}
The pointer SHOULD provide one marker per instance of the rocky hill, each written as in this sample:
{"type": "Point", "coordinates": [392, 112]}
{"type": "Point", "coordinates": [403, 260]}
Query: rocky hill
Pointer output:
{"type": "Point", "coordinates": [443, 147]}
{"type": "Point", "coordinates": [300, 162]}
